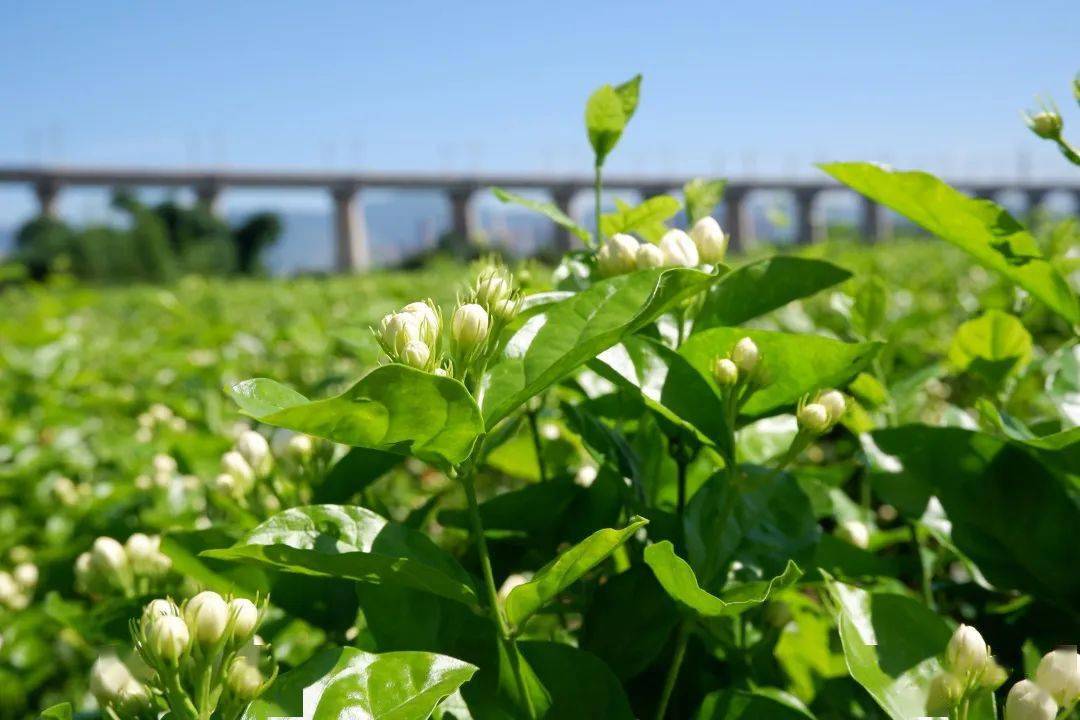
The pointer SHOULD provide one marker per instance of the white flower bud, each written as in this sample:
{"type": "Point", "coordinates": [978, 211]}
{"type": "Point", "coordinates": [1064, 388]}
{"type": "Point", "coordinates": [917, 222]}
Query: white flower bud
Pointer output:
{"type": "Point", "coordinates": [511, 582]}
{"type": "Point", "coordinates": [233, 463]}
{"type": "Point", "coordinates": [246, 618]}
{"type": "Point", "coordinates": [710, 240]}
{"type": "Point", "coordinates": [301, 446]}
{"type": "Point", "coordinates": [967, 652]}
{"type": "Point", "coordinates": [108, 557]}
{"type": "Point", "coordinates": [745, 355]}
{"type": "Point", "coordinates": [133, 699]}
{"type": "Point", "coordinates": [168, 638]}
{"type": "Point", "coordinates": [9, 589]}
{"type": "Point", "coordinates": [618, 255]}
{"type": "Point", "coordinates": [648, 256]}
{"type": "Point", "coordinates": [207, 615]}
{"type": "Point", "coordinates": [159, 607]}
{"type": "Point", "coordinates": [83, 571]}
{"type": "Point", "coordinates": [26, 575]}
{"type": "Point", "coordinates": [427, 318]}
{"type": "Point", "coordinates": [164, 464]}
{"type": "Point", "coordinates": [225, 484]}
{"type": "Point", "coordinates": [107, 677]}
{"type": "Point", "coordinates": [855, 532]}
{"type": "Point", "coordinates": [416, 354]}
{"type": "Point", "coordinates": [142, 550]}
{"type": "Point", "coordinates": [65, 492]}
{"type": "Point", "coordinates": [492, 287]}
{"type": "Point", "coordinates": [160, 412]}
{"type": "Point", "coordinates": [813, 418]}
{"type": "Point", "coordinates": [469, 327]}
{"type": "Point", "coordinates": [834, 403]}
{"type": "Point", "coordinates": [1059, 675]}
{"type": "Point", "coordinates": [678, 249]}
{"type": "Point", "coordinates": [1028, 701]}
{"type": "Point", "coordinates": [244, 679]}
{"type": "Point", "coordinates": [254, 448]}
{"type": "Point", "coordinates": [943, 694]}
{"type": "Point", "coordinates": [506, 310]}
{"type": "Point", "coordinates": [725, 372]}
{"type": "Point", "coordinates": [398, 330]}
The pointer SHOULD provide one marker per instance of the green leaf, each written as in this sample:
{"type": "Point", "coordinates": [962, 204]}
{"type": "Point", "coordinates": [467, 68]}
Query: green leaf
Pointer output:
{"type": "Point", "coordinates": [351, 542]}
{"type": "Point", "coordinates": [760, 704]}
{"type": "Point", "coordinates": [650, 212]}
{"type": "Point", "coordinates": [393, 408]}
{"type": "Point", "coordinates": [569, 333]}
{"type": "Point", "coordinates": [607, 112]}
{"type": "Point", "coordinates": [563, 571]}
{"type": "Point", "coordinates": [762, 519]}
{"type": "Point", "coordinates": [794, 365]}
{"type": "Point", "coordinates": [580, 684]}
{"type": "Point", "coordinates": [678, 579]}
{"type": "Point", "coordinates": [355, 471]}
{"type": "Point", "coordinates": [992, 345]}
{"type": "Point", "coordinates": [868, 313]}
{"type": "Point", "coordinates": [979, 227]}
{"type": "Point", "coordinates": [346, 682]}
{"type": "Point", "coordinates": [549, 210]}
{"type": "Point", "coordinates": [57, 712]}
{"type": "Point", "coordinates": [702, 196]}
{"type": "Point", "coordinates": [1006, 508]}
{"type": "Point", "coordinates": [892, 644]}
{"type": "Point", "coordinates": [759, 287]}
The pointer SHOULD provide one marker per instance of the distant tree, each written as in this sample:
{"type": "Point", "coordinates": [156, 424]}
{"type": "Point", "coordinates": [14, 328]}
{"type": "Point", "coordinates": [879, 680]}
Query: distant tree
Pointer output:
{"type": "Point", "coordinates": [43, 242]}
{"type": "Point", "coordinates": [257, 233]}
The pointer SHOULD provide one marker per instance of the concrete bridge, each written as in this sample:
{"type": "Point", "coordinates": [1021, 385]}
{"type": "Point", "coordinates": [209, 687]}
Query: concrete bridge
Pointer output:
{"type": "Point", "coordinates": [352, 251]}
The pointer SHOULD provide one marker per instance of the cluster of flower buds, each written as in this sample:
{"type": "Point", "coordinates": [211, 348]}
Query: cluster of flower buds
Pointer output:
{"type": "Point", "coordinates": [68, 493]}
{"type": "Point", "coordinates": [17, 587]}
{"type": "Point", "coordinates": [129, 569]}
{"type": "Point", "coordinates": [411, 336]}
{"type": "Point", "coordinates": [739, 368]}
{"type": "Point", "coordinates": [969, 667]}
{"type": "Point", "coordinates": [706, 244]}
{"type": "Point", "coordinates": [248, 461]}
{"type": "Point", "coordinates": [819, 415]}
{"type": "Point", "coordinates": [203, 656]}
{"type": "Point", "coordinates": [1056, 686]}
{"type": "Point", "coordinates": [157, 415]}
{"type": "Point", "coordinates": [165, 473]}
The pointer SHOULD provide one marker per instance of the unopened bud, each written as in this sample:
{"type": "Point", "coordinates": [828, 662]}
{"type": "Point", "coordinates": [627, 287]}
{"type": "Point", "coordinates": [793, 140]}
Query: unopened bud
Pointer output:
{"type": "Point", "coordinates": [164, 464]}
{"type": "Point", "coordinates": [245, 618]}
{"type": "Point", "coordinates": [1028, 701]}
{"type": "Point", "coordinates": [813, 418]}
{"type": "Point", "coordinates": [1046, 124]}
{"type": "Point", "coordinates": [233, 463]}
{"type": "Point", "coordinates": [9, 589]}
{"type": "Point", "coordinates": [834, 403]}
{"type": "Point", "coordinates": [168, 638]}
{"type": "Point", "coordinates": [618, 255]}
{"type": "Point", "coordinates": [225, 484]}
{"type": "Point", "coordinates": [678, 249]}
{"type": "Point", "coordinates": [745, 355]}
{"type": "Point", "coordinates": [244, 679]}
{"type": "Point", "coordinates": [469, 328]}
{"type": "Point", "coordinates": [506, 310]}
{"type": "Point", "coordinates": [855, 532]}
{"type": "Point", "coordinates": [1059, 675]}
{"type": "Point", "coordinates": [301, 446]}
{"type": "Point", "coordinates": [428, 320]}
{"type": "Point", "coordinates": [26, 575]}
{"type": "Point", "coordinates": [725, 372]}
{"type": "Point", "coordinates": [648, 256]}
{"type": "Point", "coordinates": [710, 240]}
{"type": "Point", "coordinates": [967, 653]}
{"type": "Point", "coordinates": [142, 551]}
{"type": "Point", "coordinates": [416, 354]}
{"type": "Point", "coordinates": [159, 607]}
{"type": "Point", "coordinates": [207, 614]}
{"type": "Point", "coordinates": [107, 677]}
{"type": "Point", "coordinates": [492, 287]}
{"type": "Point", "coordinates": [109, 558]}
{"type": "Point", "coordinates": [133, 699]}
{"type": "Point", "coordinates": [254, 448]}
{"type": "Point", "coordinates": [943, 694]}
{"type": "Point", "coordinates": [398, 330]}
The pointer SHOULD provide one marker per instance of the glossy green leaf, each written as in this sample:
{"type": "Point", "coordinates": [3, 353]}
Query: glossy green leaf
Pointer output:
{"type": "Point", "coordinates": [702, 196]}
{"type": "Point", "coordinates": [678, 579]}
{"type": "Point", "coordinates": [979, 227]}
{"type": "Point", "coordinates": [351, 542]}
{"type": "Point", "coordinates": [991, 345]}
{"type": "Point", "coordinates": [393, 408]}
{"type": "Point", "coordinates": [57, 712]}
{"type": "Point", "coordinates": [761, 704]}
{"type": "Point", "coordinates": [547, 209]}
{"type": "Point", "coordinates": [346, 682]}
{"type": "Point", "coordinates": [650, 212]}
{"type": "Point", "coordinates": [759, 287]}
{"type": "Point", "coordinates": [567, 334]}
{"type": "Point", "coordinates": [763, 519]}
{"type": "Point", "coordinates": [607, 112]}
{"type": "Point", "coordinates": [1006, 508]}
{"type": "Point", "coordinates": [356, 470]}
{"type": "Point", "coordinates": [793, 364]}
{"type": "Point", "coordinates": [580, 684]}
{"type": "Point", "coordinates": [563, 571]}
{"type": "Point", "coordinates": [892, 644]}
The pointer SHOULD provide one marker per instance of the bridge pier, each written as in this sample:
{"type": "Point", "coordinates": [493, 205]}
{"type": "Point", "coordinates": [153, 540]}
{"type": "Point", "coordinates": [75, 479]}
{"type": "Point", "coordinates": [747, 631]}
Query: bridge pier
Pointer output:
{"type": "Point", "coordinates": [1034, 199]}
{"type": "Point", "coordinates": [563, 197]}
{"type": "Point", "coordinates": [805, 227]}
{"type": "Point", "coordinates": [735, 219]}
{"type": "Point", "coordinates": [352, 253]}
{"type": "Point", "coordinates": [207, 197]}
{"type": "Point", "coordinates": [465, 225]}
{"type": "Point", "coordinates": [47, 192]}
{"type": "Point", "coordinates": [874, 225]}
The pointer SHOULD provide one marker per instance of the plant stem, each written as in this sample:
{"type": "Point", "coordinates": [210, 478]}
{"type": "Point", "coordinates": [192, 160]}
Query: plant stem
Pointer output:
{"type": "Point", "coordinates": [673, 669]}
{"type": "Point", "coordinates": [493, 593]}
{"type": "Point", "coordinates": [924, 569]}
{"type": "Point", "coordinates": [597, 186]}
{"type": "Point", "coordinates": [534, 427]}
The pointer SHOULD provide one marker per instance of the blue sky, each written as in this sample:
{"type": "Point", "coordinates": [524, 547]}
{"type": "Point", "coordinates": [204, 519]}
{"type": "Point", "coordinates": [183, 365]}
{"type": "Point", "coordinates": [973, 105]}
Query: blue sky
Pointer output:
{"type": "Point", "coordinates": [730, 88]}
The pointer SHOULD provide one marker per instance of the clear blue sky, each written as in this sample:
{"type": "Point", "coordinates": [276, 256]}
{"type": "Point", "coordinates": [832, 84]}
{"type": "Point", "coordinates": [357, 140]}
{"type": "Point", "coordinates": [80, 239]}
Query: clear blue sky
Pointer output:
{"type": "Point", "coordinates": [730, 87]}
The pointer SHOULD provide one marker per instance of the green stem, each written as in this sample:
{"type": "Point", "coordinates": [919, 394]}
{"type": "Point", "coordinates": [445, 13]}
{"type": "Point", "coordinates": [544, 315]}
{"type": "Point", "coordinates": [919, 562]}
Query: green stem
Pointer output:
{"type": "Point", "coordinates": [597, 186]}
{"type": "Point", "coordinates": [673, 669]}
{"type": "Point", "coordinates": [924, 569]}
{"type": "Point", "coordinates": [1070, 153]}
{"type": "Point", "coordinates": [534, 427]}
{"type": "Point", "coordinates": [492, 592]}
